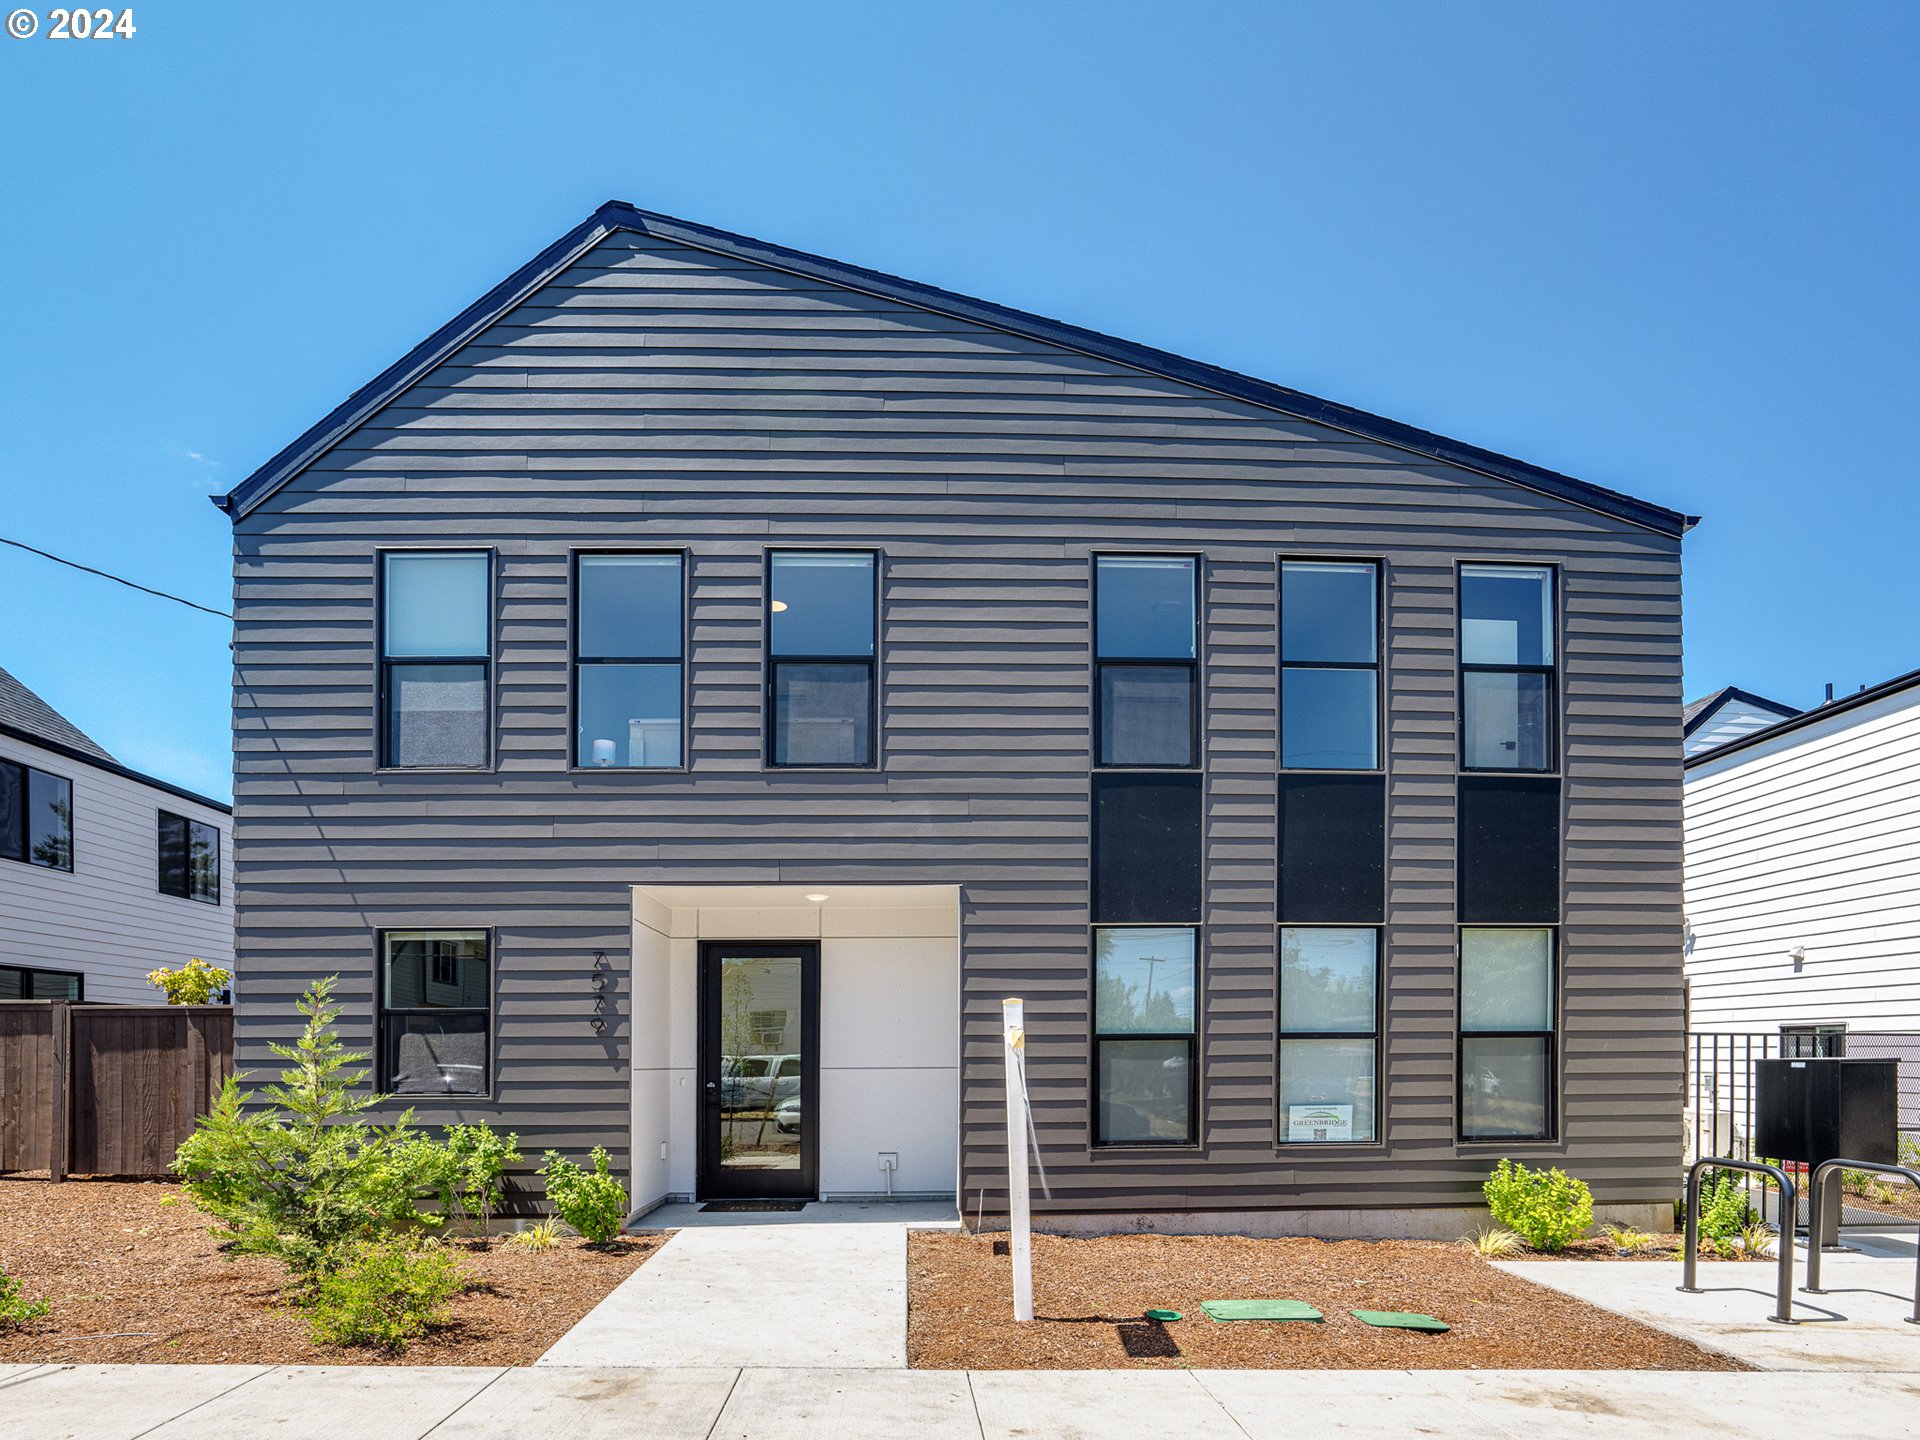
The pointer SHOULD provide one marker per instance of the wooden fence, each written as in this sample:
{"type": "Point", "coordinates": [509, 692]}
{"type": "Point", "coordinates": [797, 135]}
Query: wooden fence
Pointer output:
{"type": "Point", "coordinates": [106, 1089]}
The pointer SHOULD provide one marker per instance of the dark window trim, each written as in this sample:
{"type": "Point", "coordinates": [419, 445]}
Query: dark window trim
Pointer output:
{"type": "Point", "coordinates": [1461, 1034]}
{"type": "Point", "coordinates": [77, 976]}
{"type": "Point", "coordinates": [1378, 1035]}
{"type": "Point", "coordinates": [25, 857]}
{"type": "Point", "coordinates": [381, 1011]}
{"type": "Point", "coordinates": [382, 665]}
{"type": "Point", "coordinates": [575, 659]}
{"type": "Point", "coordinates": [1193, 667]}
{"type": "Point", "coordinates": [1378, 667]}
{"type": "Point", "coordinates": [1462, 669]}
{"type": "Point", "coordinates": [161, 816]}
{"type": "Point", "coordinates": [1095, 1143]}
{"type": "Point", "coordinates": [771, 663]}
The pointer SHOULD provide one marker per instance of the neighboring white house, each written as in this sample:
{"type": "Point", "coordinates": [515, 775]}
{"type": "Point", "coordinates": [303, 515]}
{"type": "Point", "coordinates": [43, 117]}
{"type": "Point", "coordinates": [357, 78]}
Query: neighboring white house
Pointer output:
{"type": "Point", "coordinates": [1713, 720]}
{"type": "Point", "coordinates": [1803, 873]}
{"type": "Point", "coordinates": [105, 873]}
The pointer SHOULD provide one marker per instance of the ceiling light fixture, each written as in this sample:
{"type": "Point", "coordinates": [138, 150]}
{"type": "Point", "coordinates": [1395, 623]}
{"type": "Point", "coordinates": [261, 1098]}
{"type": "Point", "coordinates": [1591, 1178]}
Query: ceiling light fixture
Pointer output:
{"type": "Point", "coordinates": [816, 899]}
{"type": "Point", "coordinates": [778, 606]}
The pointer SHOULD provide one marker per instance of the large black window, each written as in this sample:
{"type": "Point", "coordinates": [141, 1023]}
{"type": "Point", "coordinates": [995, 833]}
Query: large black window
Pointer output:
{"type": "Point", "coordinates": [821, 641]}
{"type": "Point", "coordinates": [1144, 983]}
{"type": "Point", "coordinates": [627, 661]}
{"type": "Point", "coordinates": [436, 1011]}
{"type": "Point", "coordinates": [436, 652]}
{"type": "Point", "coordinates": [1146, 661]}
{"type": "Point", "coordinates": [189, 858]}
{"type": "Point", "coordinates": [23, 982]}
{"type": "Point", "coordinates": [1507, 1032]}
{"type": "Point", "coordinates": [1509, 849]}
{"type": "Point", "coordinates": [36, 816]}
{"type": "Point", "coordinates": [1146, 849]}
{"type": "Point", "coordinates": [1507, 667]}
{"type": "Point", "coordinates": [1329, 665]}
{"type": "Point", "coordinates": [1329, 1035]}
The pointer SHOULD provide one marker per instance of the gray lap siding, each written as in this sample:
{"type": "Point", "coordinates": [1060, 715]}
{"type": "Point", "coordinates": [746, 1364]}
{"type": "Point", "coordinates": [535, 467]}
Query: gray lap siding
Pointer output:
{"type": "Point", "coordinates": [659, 396]}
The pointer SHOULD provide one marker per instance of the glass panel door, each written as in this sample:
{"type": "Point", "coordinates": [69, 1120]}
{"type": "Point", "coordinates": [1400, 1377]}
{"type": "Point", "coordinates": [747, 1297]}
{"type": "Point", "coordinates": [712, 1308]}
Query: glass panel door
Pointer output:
{"type": "Point", "coordinates": [759, 1045]}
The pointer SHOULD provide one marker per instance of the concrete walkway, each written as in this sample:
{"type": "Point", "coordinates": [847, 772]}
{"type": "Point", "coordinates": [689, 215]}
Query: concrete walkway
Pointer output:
{"type": "Point", "coordinates": [244, 1402]}
{"type": "Point", "coordinates": [816, 1289]}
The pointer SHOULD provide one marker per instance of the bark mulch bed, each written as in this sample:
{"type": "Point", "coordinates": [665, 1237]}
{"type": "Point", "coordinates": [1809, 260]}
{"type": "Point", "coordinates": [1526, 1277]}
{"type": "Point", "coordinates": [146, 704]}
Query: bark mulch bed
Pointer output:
{"type": "Point", "coordinates": [113, 1259]}
{"type": "Point", "coordinates": [1089, 1295]}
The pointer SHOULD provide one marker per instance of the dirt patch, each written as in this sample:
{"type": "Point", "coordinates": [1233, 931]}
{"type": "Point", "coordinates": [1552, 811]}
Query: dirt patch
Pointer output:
{"type": "Point", "coordinates": [114, 1258]}
{"type": "Point", "coordinates": [1089, 1297]}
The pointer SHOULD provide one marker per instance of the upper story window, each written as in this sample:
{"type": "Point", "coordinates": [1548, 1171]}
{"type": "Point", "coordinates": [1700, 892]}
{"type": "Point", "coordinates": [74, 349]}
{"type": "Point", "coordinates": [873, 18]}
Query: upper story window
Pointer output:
{"type": "Point", "coordinates": [1146, 659]}
{"type": "Point", "coordinates": [1329, 665]}
{"type": "Point", "coordinates": [36, 816]}
{"type": "Point", "coordinates": [189, 858]}
{"type": "Point", "coordinates": [436, 649]}
{"type": "Point", "coordinates": [1507, 667]}
{"type": "Point", "coordinates": [821, 628]}
{"type": "Point", "coordinates": [627, 647]}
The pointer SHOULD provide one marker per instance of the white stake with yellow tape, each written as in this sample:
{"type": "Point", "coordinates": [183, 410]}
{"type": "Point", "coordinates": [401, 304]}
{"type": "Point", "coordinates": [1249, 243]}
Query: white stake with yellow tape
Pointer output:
{"type": "Point", "coordinates": [1019, 1217]}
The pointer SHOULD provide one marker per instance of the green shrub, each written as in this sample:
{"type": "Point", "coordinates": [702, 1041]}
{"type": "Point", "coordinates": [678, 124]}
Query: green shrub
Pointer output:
{"type": "Point", "coordinates": [1545, 1208]}
{"type": "Point", "coordinates": [194, 983]}
{"type": "Point", "coordinates": [1724, 1211]}
{"type": "Point", "coordinates": [302, 1175]}
{"type": "Point", "coordinates": [592, 1202]}
{"type": "Point", "coordinates": [385, 1293]}
{"type": "Point", "coordinates": [15, 1307]}
{"type": "Point", "coordinates": [477, 1161]}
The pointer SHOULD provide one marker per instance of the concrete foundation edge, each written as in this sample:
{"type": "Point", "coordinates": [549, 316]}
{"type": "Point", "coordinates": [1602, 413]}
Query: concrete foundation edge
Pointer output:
{"type": "Point", "coordinates": [1425, 1224]}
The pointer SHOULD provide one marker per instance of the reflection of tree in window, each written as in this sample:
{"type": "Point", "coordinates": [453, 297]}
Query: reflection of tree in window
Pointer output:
{"type": "Point", "coordinates": [1140, 1006]}
{"type": "Point", "coordinates": [53, 846]}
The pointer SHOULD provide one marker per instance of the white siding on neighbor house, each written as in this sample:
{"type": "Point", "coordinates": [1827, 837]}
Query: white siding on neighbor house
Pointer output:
{"type": "Point", "coordinates": [1810, 841]}
{"type": "Point", "coordinates": [1732, 720]}
{"type": "Point", "coordinates": [107, 919]}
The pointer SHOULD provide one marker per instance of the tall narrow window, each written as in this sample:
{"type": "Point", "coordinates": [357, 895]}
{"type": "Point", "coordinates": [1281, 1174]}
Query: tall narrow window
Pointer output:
{"type": "Point", "coordinates": [1329, 1035]}
{"type": "Point", "coordinates": [821, 690]}
{"type": "Point", "coordinates": [435, 656]}
{"type": "Point", "coordinates": [1507, 1032]}
{"type": "Point", "coordinates": [1329, 665]}
{"type": "Point", "coordinates": [36, 816]}
{"type": "Point", "coordinates": [1147, 660]}
{"type": "Point", "coordinates": [189, 858]}
{"type": "Point", "coordinates": [436, 1011]}
{"type": "Point", "coordinates": [1507, 667]}
{"type": "Point", "coordinates": [1144, 982]}
{"type": "Point", "coordinates": [627, 661]}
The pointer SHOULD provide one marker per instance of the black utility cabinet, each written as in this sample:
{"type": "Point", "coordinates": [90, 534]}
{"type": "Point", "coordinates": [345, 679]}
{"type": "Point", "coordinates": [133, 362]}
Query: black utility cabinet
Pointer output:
{"type": "Point", "coordinates": [1816, 1110]}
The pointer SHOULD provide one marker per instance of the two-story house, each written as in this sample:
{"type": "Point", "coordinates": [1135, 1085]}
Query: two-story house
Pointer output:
{"type": "Point", "coordinates": [685, 695]}
{"type": "Point", "coordinates": [105, 873]}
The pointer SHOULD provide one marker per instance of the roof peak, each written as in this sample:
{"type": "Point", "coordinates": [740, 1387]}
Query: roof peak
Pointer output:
{"type": "Point", "coordinates": [25, 713]}
{"type": "Point", "coordinates": [614, 215]}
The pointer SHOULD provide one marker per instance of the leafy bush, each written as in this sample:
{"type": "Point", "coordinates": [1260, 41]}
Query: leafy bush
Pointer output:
{"type": "Point", "coordinates": [1724, 1210]}
{"type": "Point", "coordinates": [592, 1202]}
{"type": "Point", "coordinates": [1545, 1208]}
{"type": "Point", "coordinates": [1493, 1241]}
{"type": "Point", "coordinates": [385, 1292]}
{"type": "Point", "coordinates": [304, 1176]}
{"type": "Point", "coordinates": [1756, 1241]}
{"type": "Point", "coordinates": [194, 983]}
{"type": "Point", "coordinates": [15, 1307]}
{"type": "Point", "coordinates": [475, 1176]}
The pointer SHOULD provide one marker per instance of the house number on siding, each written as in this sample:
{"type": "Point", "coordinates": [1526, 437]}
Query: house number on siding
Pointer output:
{"type": "Point", "coordinates": [601, 971]}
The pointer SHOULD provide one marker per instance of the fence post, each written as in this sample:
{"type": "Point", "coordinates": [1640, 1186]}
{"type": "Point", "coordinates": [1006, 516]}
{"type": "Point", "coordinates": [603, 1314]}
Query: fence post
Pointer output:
{"type": "Point", "coordinates": [60, 1123]}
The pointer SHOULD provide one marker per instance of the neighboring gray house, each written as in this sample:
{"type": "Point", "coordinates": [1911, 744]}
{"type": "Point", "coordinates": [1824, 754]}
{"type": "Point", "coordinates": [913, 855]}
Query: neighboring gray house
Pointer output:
{"type": "Point", "coordinates": [1726, 715]}
{"type": "Point", "coordinates": [105, 873]}
{"type": "Point", "coordinates": [686, 694]}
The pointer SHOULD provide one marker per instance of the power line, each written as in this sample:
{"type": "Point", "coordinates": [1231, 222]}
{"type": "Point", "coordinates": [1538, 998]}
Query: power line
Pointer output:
{"type": "Point", "coordinates": [117, 579]}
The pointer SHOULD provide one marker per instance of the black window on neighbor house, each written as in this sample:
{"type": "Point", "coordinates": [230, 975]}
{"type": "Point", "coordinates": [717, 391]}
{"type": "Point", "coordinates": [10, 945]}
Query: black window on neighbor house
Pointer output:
{"type": "Point", "coordinates": [1146, 661]}
{"type": "Point", "coordinates": [24, 982]}
{"type": "Point", "coordinates": [627, 647]}
{"type": "Point", "coordinates": [436, 654]}
{"type": "Point", "coordinates": [1145, 1062]}
{"type": "Point", "coordinates": [1508, 1004]}
{"type": "Point", "coordinates": [1329, 665]}
{"type": "Point", "coordinates": [822, 691]}
{"type": "Point", "coordinates": [36, 816]}
{"type": "Point", "coordinates": [189, 858]}
{"type": "Point", "coordinates": [1329, 1060]}
{"type": "Point", "coordinates": [1507, 688]}
{"type": "Point", "coordinates": [436, 1012]}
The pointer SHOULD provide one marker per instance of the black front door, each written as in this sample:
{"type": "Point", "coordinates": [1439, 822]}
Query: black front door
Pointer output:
{"type": "Point", "coordinates": [759, 1070]}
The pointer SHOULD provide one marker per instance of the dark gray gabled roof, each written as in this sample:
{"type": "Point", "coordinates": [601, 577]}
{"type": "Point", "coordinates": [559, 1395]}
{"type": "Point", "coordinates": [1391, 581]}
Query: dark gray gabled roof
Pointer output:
{"type": "Point", "coordinates": [1803, 719]}
{"type": "Point", "coordinates": [1698, 712]}
{"type": "Point", "coordinates": [27, 715]}
{"type": "Point", "coordinates": [617, 215]}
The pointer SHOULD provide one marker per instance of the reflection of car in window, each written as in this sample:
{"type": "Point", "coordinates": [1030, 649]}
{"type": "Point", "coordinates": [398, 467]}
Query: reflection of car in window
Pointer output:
{"type": "Point", "coordinates": [786, 1116]}
{"type": "Point", "coordinates": [757, 1081]}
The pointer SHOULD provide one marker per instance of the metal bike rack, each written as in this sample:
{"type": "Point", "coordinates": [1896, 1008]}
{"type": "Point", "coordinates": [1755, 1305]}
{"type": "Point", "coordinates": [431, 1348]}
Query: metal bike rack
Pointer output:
{"type": "Point", "coordinates": [1819, 1195]}
{"type": "Point", "coordinates": [1783, 1290]}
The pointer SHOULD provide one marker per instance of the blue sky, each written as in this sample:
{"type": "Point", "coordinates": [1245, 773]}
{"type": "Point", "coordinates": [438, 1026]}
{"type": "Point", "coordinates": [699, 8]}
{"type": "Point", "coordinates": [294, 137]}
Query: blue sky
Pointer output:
{"type": "Point", "coordinates": [1665, 248]}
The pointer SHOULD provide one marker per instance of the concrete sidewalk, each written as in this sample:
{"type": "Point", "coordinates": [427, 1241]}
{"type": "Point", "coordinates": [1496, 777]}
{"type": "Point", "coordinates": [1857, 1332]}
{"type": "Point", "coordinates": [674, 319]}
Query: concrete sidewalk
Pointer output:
{"type": "Point", "coordinates": [241, 1402]}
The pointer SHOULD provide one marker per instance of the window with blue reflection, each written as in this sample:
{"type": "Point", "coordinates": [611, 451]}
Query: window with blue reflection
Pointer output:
{"type": "Point", "coordinates": [1144, 607]}
{"type": "Point", "coordinates": [821, 603]}
{"type": "Point", "coordinates": [628, 691]}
